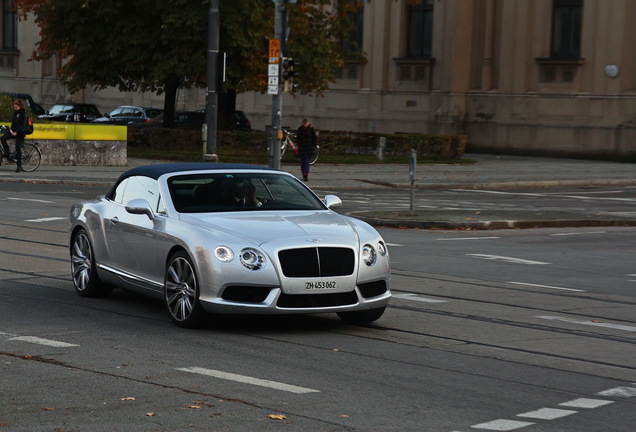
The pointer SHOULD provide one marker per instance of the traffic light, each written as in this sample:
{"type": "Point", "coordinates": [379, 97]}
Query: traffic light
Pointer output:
{"type": "Point", "coordinates": [289, 73]}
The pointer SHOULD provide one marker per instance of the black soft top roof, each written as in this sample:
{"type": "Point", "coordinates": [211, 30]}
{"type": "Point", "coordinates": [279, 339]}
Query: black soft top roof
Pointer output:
{"type": "Point", "coordinates": [157, 170]}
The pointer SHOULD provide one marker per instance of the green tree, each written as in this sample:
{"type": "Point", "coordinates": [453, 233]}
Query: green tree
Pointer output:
{"type": "Point", "coordinates": [145, 45]}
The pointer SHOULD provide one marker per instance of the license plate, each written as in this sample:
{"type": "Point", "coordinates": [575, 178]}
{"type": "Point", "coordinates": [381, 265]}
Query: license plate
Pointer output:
{"type": "Point", "coordinates": [321, 285]}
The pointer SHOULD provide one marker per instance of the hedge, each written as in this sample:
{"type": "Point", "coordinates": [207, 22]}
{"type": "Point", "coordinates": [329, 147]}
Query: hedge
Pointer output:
{"type": "Point", "coordinates": [331, 142]}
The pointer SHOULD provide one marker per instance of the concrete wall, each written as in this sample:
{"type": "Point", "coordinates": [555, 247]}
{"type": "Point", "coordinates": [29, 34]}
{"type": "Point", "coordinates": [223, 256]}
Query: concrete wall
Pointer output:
{"type": "Point", "coordinates": [88, 153]}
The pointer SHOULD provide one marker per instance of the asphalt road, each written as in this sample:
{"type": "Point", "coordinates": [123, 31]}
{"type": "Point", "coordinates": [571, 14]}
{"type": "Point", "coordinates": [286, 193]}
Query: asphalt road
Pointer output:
{"type": "Point", "coordinates": [529, 330]}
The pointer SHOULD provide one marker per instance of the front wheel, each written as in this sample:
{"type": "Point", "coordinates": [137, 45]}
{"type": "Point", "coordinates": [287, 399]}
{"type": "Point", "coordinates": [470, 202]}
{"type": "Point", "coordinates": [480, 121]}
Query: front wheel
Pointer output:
{"type": "Point", "coordinates": [362, 316]}
{"type": "Point", "coordinates": [84, 268]}
{"type": "Point", "coordinates": [31, 157]}
{"type": "Point", "coordinates": [182, 292]}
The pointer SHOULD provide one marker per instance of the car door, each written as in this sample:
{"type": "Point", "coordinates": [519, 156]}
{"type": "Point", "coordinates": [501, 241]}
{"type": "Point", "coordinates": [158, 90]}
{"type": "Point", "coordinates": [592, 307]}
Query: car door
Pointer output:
{"type": "Point", "coordinates": [138, 244]}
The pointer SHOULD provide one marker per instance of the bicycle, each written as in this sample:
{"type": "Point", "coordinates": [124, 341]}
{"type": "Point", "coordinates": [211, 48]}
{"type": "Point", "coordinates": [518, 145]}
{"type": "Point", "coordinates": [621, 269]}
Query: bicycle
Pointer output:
{"type": "Point", "coordinates": [31, 154]}
{"type": "Point", "coordinates": [288, 142]}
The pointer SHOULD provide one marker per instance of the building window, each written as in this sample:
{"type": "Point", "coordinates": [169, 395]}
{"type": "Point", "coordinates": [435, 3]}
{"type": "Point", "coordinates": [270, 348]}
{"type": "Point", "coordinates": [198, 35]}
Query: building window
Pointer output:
{"type": "Point", "coordinates": [420, 29]}
{"type": "Point", "coordinates": [566, 28]}
{"type": "Point", "coordinates": [9, 25]}
{"type": "Point", "coordinates": [356, 19]}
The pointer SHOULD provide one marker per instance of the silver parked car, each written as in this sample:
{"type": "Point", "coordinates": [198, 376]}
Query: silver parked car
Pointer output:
{"type": "Point", "coordinates": [228, 238]}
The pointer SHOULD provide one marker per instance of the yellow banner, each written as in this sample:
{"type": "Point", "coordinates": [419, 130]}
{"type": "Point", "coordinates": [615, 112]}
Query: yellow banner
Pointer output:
{"type": "Point", "coordinates": [77, 131]}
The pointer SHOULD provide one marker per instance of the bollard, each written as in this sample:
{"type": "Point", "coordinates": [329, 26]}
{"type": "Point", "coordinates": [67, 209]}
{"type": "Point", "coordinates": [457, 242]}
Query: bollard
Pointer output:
{"type": "Point", "coordinates": [381, 147]}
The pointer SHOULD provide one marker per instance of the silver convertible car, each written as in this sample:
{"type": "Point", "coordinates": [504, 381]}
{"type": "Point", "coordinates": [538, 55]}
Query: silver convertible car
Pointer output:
{"type": "Point", "coordinates": [228, 238]}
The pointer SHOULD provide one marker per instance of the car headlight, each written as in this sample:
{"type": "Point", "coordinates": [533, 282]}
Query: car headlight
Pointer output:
{"type": "Point", "coordinates": [252, 259]}
{"type": "Point", "coordinates": [223, 253]}
{"type": "Point", "coordinates": [382, 249]}
{"type": "Point", "coordinates": [369, 255]}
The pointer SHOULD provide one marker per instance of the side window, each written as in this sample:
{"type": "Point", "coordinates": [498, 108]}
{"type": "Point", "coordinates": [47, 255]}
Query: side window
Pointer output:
{"type": "Point", "coordinates": [566, 28]}
{"type": "Point", "coordinates": [139, 187]}
{"type": "Point", "coordinates": [420, 29]}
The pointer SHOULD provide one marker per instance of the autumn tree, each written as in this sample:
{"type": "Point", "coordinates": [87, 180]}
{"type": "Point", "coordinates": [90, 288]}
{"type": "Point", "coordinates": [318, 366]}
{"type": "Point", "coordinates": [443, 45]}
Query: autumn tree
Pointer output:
{"type": "Point", "coordinates": [145, 45]}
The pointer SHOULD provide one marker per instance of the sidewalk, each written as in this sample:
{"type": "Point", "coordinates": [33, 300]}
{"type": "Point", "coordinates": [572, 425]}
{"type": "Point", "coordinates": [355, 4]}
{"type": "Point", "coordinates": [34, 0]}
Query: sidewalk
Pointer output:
{"type": "Point", "coordinates": [490, 172]}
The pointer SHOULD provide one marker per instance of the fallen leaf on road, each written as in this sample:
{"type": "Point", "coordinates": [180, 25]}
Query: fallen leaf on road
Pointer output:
{"type": "Point", "coordinates": [150, 414]}
{"type": "Point", "coordinates": [277, 416]}
{"type": "Point", "coordinates": [128, 398]}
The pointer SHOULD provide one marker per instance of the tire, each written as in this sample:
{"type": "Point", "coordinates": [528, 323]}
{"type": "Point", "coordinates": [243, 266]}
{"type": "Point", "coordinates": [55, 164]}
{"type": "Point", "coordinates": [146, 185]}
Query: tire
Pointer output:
{"type": "Point", "coordinates": [283, 147]}
{"type": "Point", "coordinates": [361, 317]}
{"type": "Point", "coordinates": [182, 292]}
{"type": "Point", "coordinates": [84, 269]}
{"type": "Point", "coordinates": [31, 157]}
{"type": "Point", "coordinates": [314, 158]}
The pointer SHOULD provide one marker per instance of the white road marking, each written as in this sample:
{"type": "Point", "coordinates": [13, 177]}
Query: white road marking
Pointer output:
{"type": "Point", "coordinates": [625, 392]}
{"type": "Point", "coordinates": [557, 195]}
{"type": "Point", "coordinates": [590, 323]}
{"type": "Point", "coordinates": [416, 297]}
{"type": "Point", "coordinates": [579, 233]}
{"type": "Point", "coordinates": [502, 425]}
{"type": "Point", "coordinates": [546, 286]}
{"type": "Point", "coordinates": [507, 259]}
{"type": "Point", "coordinates": [248, 380]}
{"type": "Point", "coordinates": [586, 403]}
{"type": "Point", "coordinates": [547, 414]}
{"type": "Point", "coordinates": [467, 238]}
{"type": "Point", "coordinates": [32, 200]}
{"type": "Point", "coordinates": [46, 219]}
{"type": "Point", "coordinates": [45, 342]}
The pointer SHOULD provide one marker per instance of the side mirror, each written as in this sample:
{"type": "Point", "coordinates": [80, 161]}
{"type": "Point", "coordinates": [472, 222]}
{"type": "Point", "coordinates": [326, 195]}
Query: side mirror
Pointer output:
{"type": "Point", "coordinates": [139, 206]}
{"type": "Point", "coordinates": [332, 201]}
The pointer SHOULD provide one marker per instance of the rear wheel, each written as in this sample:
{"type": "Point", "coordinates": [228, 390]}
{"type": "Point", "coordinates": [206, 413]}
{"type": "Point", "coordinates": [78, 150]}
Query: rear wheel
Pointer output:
{"type": "Point", "coordinates": [182, 292]}
{"type": "Point", "coordinates": [363, 316]}
{"type": "Point", "coordinates": [31, 157]}
{"type": "Point", "coordinates": [83, 268]}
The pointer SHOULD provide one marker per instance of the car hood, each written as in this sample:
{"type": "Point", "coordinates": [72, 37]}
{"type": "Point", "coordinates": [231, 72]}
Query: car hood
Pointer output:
{"type": "Point", "coordinates": [262, 226]}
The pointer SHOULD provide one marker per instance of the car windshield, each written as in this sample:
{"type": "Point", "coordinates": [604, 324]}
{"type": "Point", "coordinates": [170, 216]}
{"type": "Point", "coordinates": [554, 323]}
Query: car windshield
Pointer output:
{"type": "Point", "coordinates": [61, 109]}
{"type": "Point", "coordinates": [222, 192]}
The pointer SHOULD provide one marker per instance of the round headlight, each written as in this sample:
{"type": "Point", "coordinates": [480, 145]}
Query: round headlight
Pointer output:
{"type": "Point", "coordinates": [368, 255]}
{"type": "Point", "coordinates": [382, 249]}
{"type": "Point", "coordinates": [223, 253]}
{"type": "Point", "coordinates": [252, 259]}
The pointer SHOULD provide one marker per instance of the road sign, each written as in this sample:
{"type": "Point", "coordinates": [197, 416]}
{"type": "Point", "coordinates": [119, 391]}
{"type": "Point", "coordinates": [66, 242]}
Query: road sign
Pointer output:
{"type": "Point", "coordinates": [274, 50]}
{"type": "Point", "coordinates": [272, 80]}
{"type": "Point", "coordinates": [272, 89]}
{"type": "Point", "coordinates": [272, 70]}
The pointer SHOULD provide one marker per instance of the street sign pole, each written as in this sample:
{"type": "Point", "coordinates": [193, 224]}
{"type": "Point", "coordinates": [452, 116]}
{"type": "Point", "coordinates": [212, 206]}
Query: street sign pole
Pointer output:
{"type": "Point", "coordinates": [212, 96]}
{"type": "Point", "coordinates": [273, 86]}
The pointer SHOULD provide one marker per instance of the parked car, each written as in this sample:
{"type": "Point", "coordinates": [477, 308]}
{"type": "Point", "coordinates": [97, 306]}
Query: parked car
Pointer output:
{"type": "Point", "coordinates": [228, 238]}
{"type": "Point", "coordinates": [182, 120]}
{"type": "Point", "coordinates": [35, 108]}
{"type": "Point", "coordinates": [71, 112]}
{"type": "Point", "coordinates": [241, 121]}
{"type": "Point", "coordinates": [126, 114]}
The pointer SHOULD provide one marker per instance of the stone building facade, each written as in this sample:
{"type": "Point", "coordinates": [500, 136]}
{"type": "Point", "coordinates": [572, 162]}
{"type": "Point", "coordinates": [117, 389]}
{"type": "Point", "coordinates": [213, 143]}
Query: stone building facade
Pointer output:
{"type": "Point", "coordinates": [540, 77]}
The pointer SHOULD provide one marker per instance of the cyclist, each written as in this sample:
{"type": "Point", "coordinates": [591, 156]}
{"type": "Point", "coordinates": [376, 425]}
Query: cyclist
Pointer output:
{"type": "Point", "coordinates": [17, 132]}
{"type": "Point", "coordinates": [306, 139]}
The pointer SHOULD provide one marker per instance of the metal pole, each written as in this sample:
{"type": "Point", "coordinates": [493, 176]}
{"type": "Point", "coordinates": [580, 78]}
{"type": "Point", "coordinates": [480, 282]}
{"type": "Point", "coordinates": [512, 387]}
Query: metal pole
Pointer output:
{"type": "Point", "coordinates": [412, 178]}
{"type": "Point", "coordinates": [277, 100]}
{"type": "Point", "coordinates": [212, 96]}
